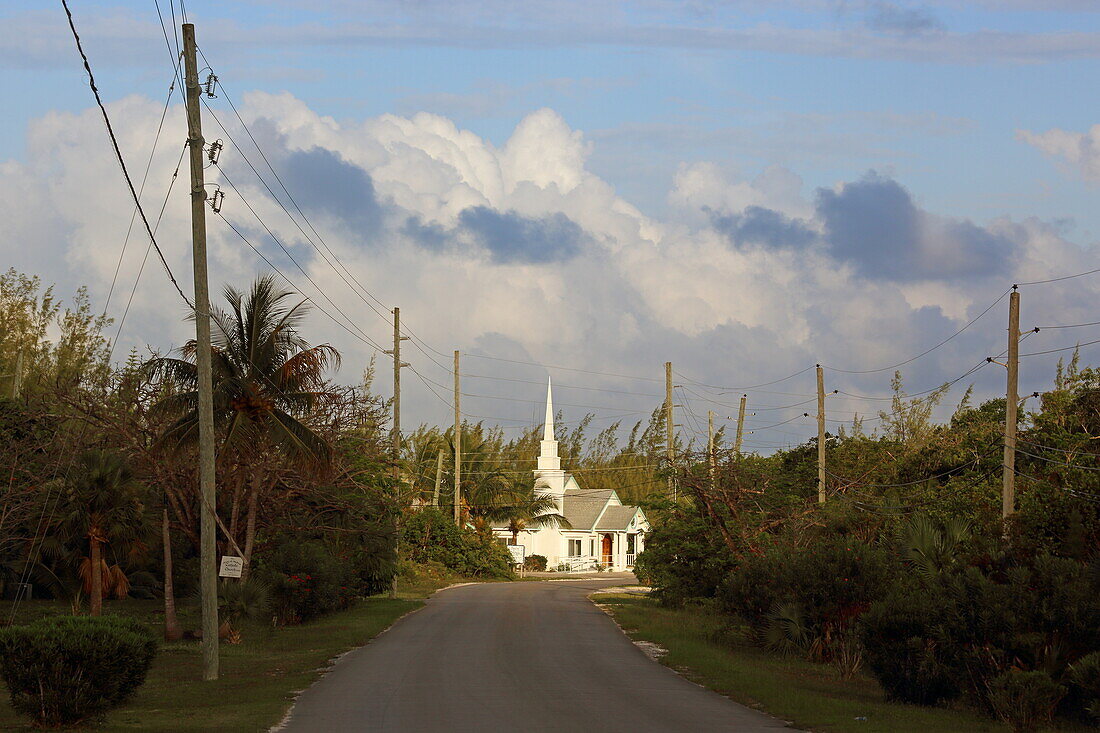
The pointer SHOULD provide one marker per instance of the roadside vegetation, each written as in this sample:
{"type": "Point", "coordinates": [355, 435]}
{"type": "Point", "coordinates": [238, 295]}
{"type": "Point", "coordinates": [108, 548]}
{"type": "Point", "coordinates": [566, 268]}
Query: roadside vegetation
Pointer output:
{"type": "Point", "coordinates": [702, 645]}
{"type": "Point", "coordinates": [907, 574]}
{"type": "Point", "coordinates": [99, 516]}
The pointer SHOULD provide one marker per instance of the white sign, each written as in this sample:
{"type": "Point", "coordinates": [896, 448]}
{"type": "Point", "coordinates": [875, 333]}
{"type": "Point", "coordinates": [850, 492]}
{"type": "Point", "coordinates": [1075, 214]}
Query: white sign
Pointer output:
{"type": "Point", "coordinates": [231, 567]}
{"type": "Point", "coordinates": [517, 554]}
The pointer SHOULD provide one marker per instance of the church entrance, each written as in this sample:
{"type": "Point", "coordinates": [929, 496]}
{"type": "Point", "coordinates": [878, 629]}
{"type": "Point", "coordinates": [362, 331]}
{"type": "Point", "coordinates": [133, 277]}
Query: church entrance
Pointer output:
{"type": "Point", "coordinates": [607, 550]}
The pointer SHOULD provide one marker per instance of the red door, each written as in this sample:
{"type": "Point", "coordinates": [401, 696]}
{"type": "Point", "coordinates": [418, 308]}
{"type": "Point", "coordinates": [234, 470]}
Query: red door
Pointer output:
{"type": "Point", "coordinates": [607, 545]}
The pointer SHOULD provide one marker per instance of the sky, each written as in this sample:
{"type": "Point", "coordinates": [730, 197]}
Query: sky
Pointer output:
{"type": "Point", "coordinates": [588, 190]}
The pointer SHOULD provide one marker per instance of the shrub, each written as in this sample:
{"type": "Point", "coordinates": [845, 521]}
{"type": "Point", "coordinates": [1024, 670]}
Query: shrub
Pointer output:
{"type": "Point", "coordinates": [1084, 677]}
{"type": "Point", "coordinates": [430, 536]}
{"type": "Point", "coordinates": [957, 631]}
{"type": "Point", "coordinates": [536, 563]}
{"type": "Point", "coordinates": [307, 581]}
{"type": "Point", "coordinates": [65, 669]}
{"type": "Point", "coordinates": [832, 581]}
{"type": "Point", "coordinates": [682, 560]}
{"type": "Point", "coordinates": [899, 650]}
{"type": "Point", "coordinates": [1024, 700]}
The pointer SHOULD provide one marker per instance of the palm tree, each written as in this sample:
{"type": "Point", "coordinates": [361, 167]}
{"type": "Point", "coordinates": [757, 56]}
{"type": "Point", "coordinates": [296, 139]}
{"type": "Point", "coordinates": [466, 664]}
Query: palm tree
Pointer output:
{"type": "Point", "coordinates": [528, 509]}
{"type": "Point", "coordinates": [267, 380]}
{"type": "Point", "coordinates": [931, 547]}
{"type": "Point", "coordinates": [104, 506]}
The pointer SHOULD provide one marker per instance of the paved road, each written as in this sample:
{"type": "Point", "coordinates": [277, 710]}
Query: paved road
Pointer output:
{"type": "Point", "coordinates": [515, 658]}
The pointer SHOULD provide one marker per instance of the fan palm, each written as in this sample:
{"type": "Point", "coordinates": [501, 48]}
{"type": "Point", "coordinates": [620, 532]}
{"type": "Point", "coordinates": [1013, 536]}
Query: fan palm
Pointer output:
{"type": "Point", "coordinates": [266, 380]}
{"type": "Point", "coordinates": [103, 505]}
{"type": "Point", "coordinates": [930, 547]}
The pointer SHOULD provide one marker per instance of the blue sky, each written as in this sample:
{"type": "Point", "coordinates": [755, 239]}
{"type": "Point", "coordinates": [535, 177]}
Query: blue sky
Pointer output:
{"type": "Point", "coordinates": [943, 120]}
{"type": "Point", "coordinates": [973, 116]}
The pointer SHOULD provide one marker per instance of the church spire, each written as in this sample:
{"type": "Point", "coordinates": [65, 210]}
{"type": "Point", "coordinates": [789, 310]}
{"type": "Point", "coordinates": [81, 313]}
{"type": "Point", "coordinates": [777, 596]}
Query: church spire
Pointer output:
{"type": "Point", "coordinates": [548, 431]}
{"type": "Point", "coordinates": [548, 456]}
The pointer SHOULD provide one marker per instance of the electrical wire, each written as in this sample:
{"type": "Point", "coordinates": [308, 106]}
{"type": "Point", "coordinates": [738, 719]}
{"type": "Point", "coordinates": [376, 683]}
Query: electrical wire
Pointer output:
{"type": "Point", "coordinates": [118, 154]}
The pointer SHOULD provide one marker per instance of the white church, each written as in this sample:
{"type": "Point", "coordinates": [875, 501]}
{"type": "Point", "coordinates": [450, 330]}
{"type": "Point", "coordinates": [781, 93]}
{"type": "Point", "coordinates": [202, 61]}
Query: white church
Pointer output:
{"type": "Point", "coordinates": [602, 532]}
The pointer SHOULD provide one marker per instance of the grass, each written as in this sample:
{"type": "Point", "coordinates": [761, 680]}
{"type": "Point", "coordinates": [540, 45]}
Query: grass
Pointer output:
{"type": "Point", "coordinates": [259, 676]}
{"type": "Point", "coordinates": [810, 696]}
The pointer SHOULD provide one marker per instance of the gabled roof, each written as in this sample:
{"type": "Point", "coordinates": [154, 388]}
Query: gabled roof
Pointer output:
{"type": "Point", "coordinates": [582, 507]}
{"type": "Point", "coordinates": [617, 517]}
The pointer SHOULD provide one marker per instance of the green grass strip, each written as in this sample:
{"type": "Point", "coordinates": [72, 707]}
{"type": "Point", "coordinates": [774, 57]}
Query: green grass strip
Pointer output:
{"type": "Point", "coordinates": [809, 696]}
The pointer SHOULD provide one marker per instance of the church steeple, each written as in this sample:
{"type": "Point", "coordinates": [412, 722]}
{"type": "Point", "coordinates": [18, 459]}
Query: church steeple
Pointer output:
{"type": "Point", "coordinates": [548, 456]}
{"type": "Point", "coordinates": [548, 431]}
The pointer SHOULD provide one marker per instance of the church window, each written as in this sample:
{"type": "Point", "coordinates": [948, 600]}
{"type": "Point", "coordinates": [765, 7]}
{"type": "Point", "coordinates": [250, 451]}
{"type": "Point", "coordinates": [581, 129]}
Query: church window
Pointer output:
{"type": "Point", "coordinates": [592, 547]}
{"type": "Point", "coordinates": [574, 548]}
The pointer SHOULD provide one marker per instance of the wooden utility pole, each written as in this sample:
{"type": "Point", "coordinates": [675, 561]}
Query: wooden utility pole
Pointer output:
{"type": "Point", "coordinates": [740, 425]}
{"type": "Point", "coordinates": [669, 448]}
{"type": "Point", "coordinates": [820, 435]}
{"type": "Point", "coordinates": [397, 364]}
{"type": "Point", "coordinates": [710, 445]}
{"type": "Point", "coordinates": [458, 451]}
{"type": "Point", "coordinates": [438, 478]}
{"type": "Point", "coordinates": [208, 550]}
{"type": "Point", "coordinates": [1012, 403]}
{"type": "Point", "coordinates": [17, 376]}
{"type": "Point", "coordinates": [396, 437]}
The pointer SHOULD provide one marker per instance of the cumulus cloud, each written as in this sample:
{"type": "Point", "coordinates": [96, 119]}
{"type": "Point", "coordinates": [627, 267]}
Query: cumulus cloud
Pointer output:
{"type": "Point", "coordinates": [767, 227]}
{"type": "Point", "coordinates": [874, 225]}
{"type": "Point", "coordinates": [1079, 149]}
{"type": "Point", "coordinates": [514, 238]}
{"type": "Point", "coordinates": [520, 251]}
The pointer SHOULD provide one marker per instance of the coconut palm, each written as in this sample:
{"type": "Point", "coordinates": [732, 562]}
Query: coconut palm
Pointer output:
{"type": "Point", "coordinates": [528, 509]}
{"type": "Point", "coordinates": [267, 380]}
{"type": "Point", "coordinates": [103, 504]}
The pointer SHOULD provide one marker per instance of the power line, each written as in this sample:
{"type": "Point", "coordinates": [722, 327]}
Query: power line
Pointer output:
{"type": "Point", "coordinates": [118, 153]}
{"type": "Point", "coordinates": [744, 388]}
{"type": "Point", "coordinates": [969, 323]}
{"type": "Point", "coordinates": [1071, 325]}
{"type": "Point", "coordinates": [1059, 279]}
{"type": "Point", "coordinates": [361, 337]}
{"type": "Point", "coordinates": [1064, 348]}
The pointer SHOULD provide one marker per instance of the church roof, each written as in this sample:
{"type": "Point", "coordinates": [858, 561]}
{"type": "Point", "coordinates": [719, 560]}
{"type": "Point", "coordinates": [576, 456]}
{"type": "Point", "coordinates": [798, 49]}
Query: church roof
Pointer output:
{"type": "Point", "coordinates": [617, 517]}
{"type": "Point", "coordinates": [582, 507]}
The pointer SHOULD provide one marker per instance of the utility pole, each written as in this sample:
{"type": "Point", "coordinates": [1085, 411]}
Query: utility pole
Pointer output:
{"type": "Point", "coordinates": [1012, 402]}
{"type": "Point", "coordinates": [438, 478]}
{"type": "Point", "coordinates": [397, 364]}
{"type": "Point", "coordinates": [710, 445]}
{"type": "Point", "coordinates": [208, 550]}
{"type": "Point", "coordinates": [458, 451]}
{"type": "Point", "coordinates": [740, 425]}
{"type": "Point", "coordinates": [17, 376]}
{"type": "Point", "coordinates": [668, 430]}
{"type": "Point", "coordinates": [820, 435]}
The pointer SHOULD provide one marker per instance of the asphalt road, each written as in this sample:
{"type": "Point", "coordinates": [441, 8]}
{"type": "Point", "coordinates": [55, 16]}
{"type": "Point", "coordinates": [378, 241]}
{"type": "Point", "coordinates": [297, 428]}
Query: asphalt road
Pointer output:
{"type": "Point", "coordinates": [515, 658]}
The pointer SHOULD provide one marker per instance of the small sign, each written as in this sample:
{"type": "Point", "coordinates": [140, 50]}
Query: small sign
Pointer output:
{"type": "Point", "coordinates": [231, 567]}
{"type": "Point", "coordinates": [517, 554]}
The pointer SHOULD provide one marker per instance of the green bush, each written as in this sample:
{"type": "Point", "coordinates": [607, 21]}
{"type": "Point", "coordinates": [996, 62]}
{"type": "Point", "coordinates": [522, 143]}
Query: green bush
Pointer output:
{"type": "Point", "coordinates": [832, 581]}
{"type": "Point", "coordinates": [900, 651]}
{"type": "Point", "coordinates": [1024, 700]}
{"type": "Point", "coordinates": [1084, 678]}
{"type": "Point", "coordinates": [682, 560]}
{"type": "Point", "coordinates": [957, 631]}
{"type": "Point", "coordinates": [62, 670]}
{"type": "Point", "coordinates": [535, 563]}
{"type": "Point", "coordinates": [429, 535]}
{"type": "Point", "coordinates": [306, 581]}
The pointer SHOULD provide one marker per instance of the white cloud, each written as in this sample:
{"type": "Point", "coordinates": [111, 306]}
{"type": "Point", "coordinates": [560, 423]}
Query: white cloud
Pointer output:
{"type": "Point", "coordinates": [1080, 149]}
{"type": "Point", "coordinates": [630, 293]}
